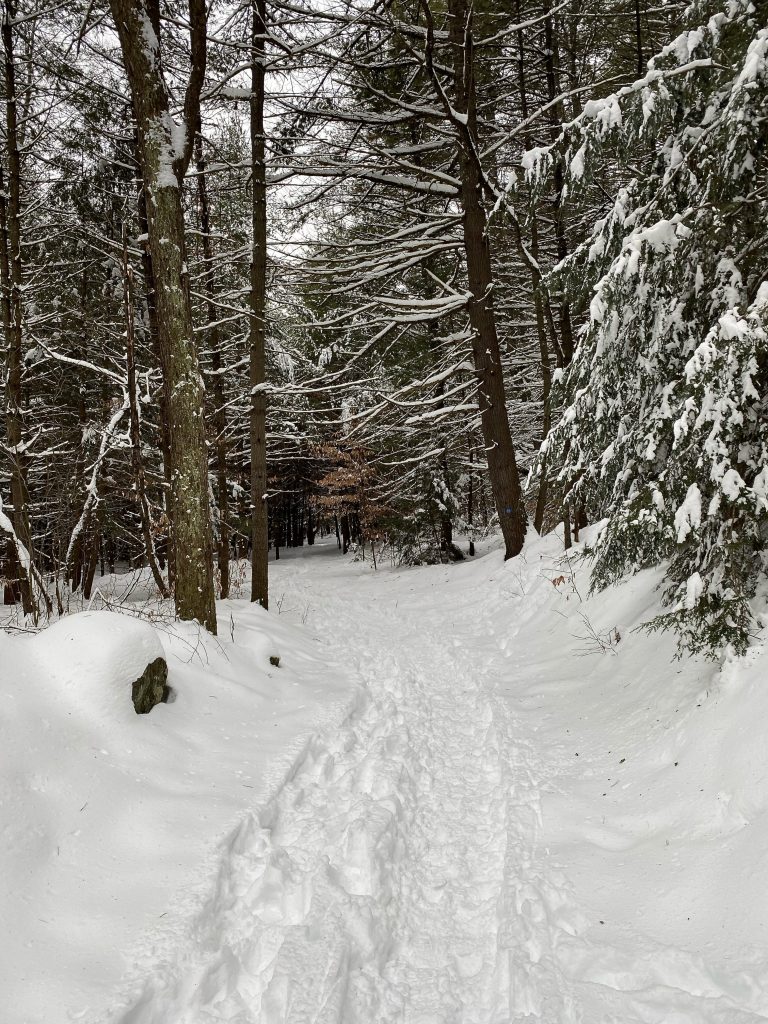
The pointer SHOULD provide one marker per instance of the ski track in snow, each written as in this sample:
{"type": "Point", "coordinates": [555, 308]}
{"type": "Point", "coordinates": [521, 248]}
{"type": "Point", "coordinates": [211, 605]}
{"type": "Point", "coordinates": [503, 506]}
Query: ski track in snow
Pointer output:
{"type": "Point", "coordinates": [396, 877]}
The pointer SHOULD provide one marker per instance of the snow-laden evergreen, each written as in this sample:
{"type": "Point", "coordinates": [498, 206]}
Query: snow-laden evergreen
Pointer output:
{"type": "Point", "coordinates": [664, 405]}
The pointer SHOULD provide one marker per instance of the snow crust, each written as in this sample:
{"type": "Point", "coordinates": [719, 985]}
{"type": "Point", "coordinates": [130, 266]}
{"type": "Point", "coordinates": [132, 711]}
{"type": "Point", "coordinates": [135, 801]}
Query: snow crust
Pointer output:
{"type": "Point", "coordinates": [525, 810]}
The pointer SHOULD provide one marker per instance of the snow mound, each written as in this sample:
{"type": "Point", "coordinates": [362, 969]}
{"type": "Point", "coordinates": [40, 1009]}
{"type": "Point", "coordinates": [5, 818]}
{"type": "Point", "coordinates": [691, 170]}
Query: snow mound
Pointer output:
{"type": "Point", "coordinates": [90, 660]}
{"type": "Point", "coordinates": [110, 822]}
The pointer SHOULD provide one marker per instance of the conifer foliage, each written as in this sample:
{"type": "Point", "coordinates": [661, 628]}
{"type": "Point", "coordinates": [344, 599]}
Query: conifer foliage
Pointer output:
{"type": "Point", "coordinates": [663, 425]}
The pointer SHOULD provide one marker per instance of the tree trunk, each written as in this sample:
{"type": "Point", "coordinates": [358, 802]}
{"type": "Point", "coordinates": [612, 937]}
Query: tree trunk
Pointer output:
{"type": "Point", "coordinates": [10, 572]}
{"type": "Point", "coordinates": [12, 312]}
{"type": "Point", "coordinates": [500, 451]}
{"type": "Point", "coordinates": [539, 295]}
{"type": "Point", "coordinates": [220, 413]}
{"type": "Point", "coordinates": [74, 571]}
{"type": "Point", "coordinates": [257, 337]}
{"type": "Point", "coordinates": [165, 430]}
{"type": "Point", "coordinates": [471, 501]}
{"type": "Point", "coordinates": [345, 534]}
{"type": "Point", "coordinates": [137, 462]}
{"type": "Point", "coordinates": [91, 545]}
{"type": "Point", "coordinates": [640, 69]}
{"type": "Point", "coordinates": [556, 117]}
{"type": "Point", "coordinates": [446, 540]}
{"type": "Point", "coordinates": [165, 149]}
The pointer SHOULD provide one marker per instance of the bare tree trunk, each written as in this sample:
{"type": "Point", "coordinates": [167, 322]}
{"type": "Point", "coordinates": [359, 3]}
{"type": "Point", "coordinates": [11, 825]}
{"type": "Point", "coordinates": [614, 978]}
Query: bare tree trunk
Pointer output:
{"type": "Point", "coordinates": [10, 572]}
{"type": "Point", "coordinates": [137, 462]}
{"type": "Point", "coordinates": [499, 448]}
{"type": "Point", "coordinates": [556, 117]}
{"type": "Point", "coordinates": [640, 69]}
{"type": "Point", "coordinates": [471, 500]}
{"type": "Point", "coordinates": [74, 570]}
{"type": "Point", "coordinates": [11, 279]}
{"type": "Point", "coordinates": [220, 413]}
{"type": "Point", "coordinates": [93, 544]}
{"type": "Point", "coordinates": [165, 430]}
{"type": "Point", "coordinates": [165, 150]}
{"type": "Point", "coordinates": [539, 297]}
{"type": "Point", "coordinates": [258, 418]}
{"type": "Point", "coordinates": [345, 533]}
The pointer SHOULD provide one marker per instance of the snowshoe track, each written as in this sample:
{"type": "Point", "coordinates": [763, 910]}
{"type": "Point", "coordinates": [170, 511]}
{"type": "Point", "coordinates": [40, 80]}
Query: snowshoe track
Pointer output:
{"type": "Point", "coordinates": [373, 886]}
{"type": "Point", "coordinates": [397, 876]}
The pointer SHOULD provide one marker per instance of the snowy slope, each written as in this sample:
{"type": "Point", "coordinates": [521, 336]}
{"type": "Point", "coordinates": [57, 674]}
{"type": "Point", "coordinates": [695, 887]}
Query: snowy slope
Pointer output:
{"type": "Point", "coordinates": [111, 823]}
{"type": "Point", "coordinates": [532, 813]}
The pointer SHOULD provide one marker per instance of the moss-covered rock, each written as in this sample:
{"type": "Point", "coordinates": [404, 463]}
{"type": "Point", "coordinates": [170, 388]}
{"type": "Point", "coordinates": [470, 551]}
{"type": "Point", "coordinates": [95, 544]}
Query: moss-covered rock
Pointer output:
{"type": "Point", "coordinates": [151, 687]}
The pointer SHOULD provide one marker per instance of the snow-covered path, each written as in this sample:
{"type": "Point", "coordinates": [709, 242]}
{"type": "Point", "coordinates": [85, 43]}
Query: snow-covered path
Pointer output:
{"type": "Point", "coordinates": [393, 877]}
{"type": "Point", "coordinates": [399, 875]}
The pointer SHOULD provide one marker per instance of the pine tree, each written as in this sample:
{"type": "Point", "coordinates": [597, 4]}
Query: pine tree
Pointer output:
{"type": "Point", "coordinates": [664, 424]}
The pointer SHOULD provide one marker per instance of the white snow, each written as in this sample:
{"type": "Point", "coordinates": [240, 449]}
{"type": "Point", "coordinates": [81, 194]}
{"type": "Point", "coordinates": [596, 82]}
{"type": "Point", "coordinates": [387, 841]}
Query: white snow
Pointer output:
{"type": "Point", "coordinates": [732, 484]}
{"type": "Point", "coordinates": [576, 168]}
{"type": "Point", "coordinates": [694, 588]}
{"type": "Point", "coordinates": [112, 823]}
{"type": "Point", "coordinates": [688, 516]}
{"type": "Point", "coordinates": [524, 811]}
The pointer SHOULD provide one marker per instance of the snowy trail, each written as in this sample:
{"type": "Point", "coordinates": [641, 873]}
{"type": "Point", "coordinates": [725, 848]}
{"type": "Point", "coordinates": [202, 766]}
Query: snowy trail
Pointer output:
{"type": "Point", "coordinates": [397, 877]}
{"type": "Point", "coordinates": [376, 884]}
{"type": "Point", "coordinates": [431, 907]}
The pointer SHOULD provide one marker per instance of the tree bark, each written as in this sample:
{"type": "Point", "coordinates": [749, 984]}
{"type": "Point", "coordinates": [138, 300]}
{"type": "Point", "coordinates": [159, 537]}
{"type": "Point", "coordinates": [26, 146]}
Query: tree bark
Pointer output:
{"type": "Point", "coordinates": [640, 69]}
{"type": "Point", "coordinates": [257, 335]}
{"type": "Point", "coordinates": [499, 448]}
{"type": "Point", "coordinates": [165, 431]}
{"type": "Point", "coordinates": [556, 117]}
{"type": "Point", "coordinates": [219, 413]}
{"type": "Point", "coordinates": [11, 279]}
{"type": "Point", "coordinates": [134, 421]}
{"type": "Point", "coordinates": [165, 149]}
{"type": "Point", "coordinates": [539, 296]}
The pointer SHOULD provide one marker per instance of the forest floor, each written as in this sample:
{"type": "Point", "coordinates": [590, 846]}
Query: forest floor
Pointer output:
{"type": "Point", "coordinates": [494, 802]}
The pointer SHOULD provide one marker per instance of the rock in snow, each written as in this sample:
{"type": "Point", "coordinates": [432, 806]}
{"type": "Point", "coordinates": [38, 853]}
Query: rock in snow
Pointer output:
{"type": "Point", "coordinates": [150, 688]}
{"type": "Point", "coordinates": [94, 659]}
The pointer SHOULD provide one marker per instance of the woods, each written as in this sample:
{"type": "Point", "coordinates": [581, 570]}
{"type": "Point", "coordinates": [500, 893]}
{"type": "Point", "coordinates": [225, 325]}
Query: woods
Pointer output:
{"type": "Point", "coordinates": [413, 273]}
{"type": "Point", "coordinates": [383, 511]}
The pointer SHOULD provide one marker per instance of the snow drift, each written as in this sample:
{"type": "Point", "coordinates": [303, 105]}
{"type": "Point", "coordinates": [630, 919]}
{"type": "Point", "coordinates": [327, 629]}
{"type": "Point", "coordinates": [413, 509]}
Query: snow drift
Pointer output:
{"type": "Point", "coordinates": [111, 821]}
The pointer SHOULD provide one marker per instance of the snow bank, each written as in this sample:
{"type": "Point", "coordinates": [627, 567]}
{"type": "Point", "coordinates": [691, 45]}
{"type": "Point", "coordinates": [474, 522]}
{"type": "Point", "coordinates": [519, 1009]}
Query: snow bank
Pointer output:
{"type": "Point", "coordinates": [88, 662]}
{"type": "Point", "coordinates": [531, 812]}
{"type": "Point", "coordinates": [112, 822]}
{"type": "Point", "coordinates": [654, 803]}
